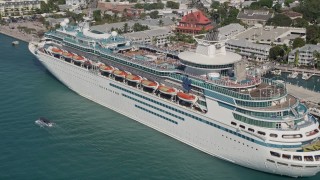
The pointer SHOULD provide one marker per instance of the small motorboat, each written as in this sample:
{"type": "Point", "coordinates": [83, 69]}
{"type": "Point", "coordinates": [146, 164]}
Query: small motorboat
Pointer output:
{"type": "Point", "coordinates": [44, 122]}
{"type": "Point", "coordinates": [14, 43]}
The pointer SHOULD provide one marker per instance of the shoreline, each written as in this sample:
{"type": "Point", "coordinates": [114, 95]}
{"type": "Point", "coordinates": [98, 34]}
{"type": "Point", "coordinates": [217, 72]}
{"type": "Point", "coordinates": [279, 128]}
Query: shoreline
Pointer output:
{"type": "Point", "coordinates": [10, 35]}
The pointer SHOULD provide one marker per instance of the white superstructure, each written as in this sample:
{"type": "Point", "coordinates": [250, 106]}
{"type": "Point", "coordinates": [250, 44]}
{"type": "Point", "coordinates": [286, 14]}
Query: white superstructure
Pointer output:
{"type": "Point", "coordinates": [244, 118]}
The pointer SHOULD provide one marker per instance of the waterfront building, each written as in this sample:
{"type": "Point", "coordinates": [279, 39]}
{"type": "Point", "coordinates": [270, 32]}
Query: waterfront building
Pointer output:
{"type": "Point", "coordinates": [271, 35]}
{"type": "Point", "coordinates": [157, 37]}
{"type": "Point", "coordinates": [229, 31]}
{"type": "Point", "coordinates": [18, 7]}
{"type": "Point", "coordinates": [247, 49]}
{"type": "Point", "coordinates": [304, 55]}
{"type": "Point", "coordinates": [252, 17]}
{"type": "Point", "coordinates": [194, 23]}
{"type": "Point", "coordinates": [151, 23]}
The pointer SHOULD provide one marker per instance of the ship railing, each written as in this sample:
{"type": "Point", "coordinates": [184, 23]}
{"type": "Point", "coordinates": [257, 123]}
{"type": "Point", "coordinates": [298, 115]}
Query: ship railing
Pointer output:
{"type": "Point", "coordinates": [121, 57]}
{"type": "Point", "coordinates": [204, 84]}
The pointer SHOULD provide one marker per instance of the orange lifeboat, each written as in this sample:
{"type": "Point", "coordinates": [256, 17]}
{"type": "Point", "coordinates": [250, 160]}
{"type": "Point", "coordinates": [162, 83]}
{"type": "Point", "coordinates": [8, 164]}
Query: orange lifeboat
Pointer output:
{"type": "Point", "coordinates": [133, 78]}
{"type": "Point", "coordinates": [187, 97]}
{"type": "Point", "coordinates": [56, 50]}
{"type": "Point", "coordinates": [105, 68]}
{"type": "Point", "coordinates": [167, 90]}
{"type": "Point", "coordinates": [67, 54]}
{"type": "Point", "coordinates": [78, 58]}
{"type": "Point", "coordinates": [150, 84]}
{"type": "Point", "coordinates": [119, 73]}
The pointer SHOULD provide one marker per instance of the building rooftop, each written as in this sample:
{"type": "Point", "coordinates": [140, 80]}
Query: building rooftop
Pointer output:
{"type": "Point", "coordinates": [248, 44]}
{"type": "Point", "coordinates": [230, 30]}
{"type": "Point", "coordinates": [195, 17]}
{"type": "Point", "coordinates": [308, 47]}
{"type": "Point", "coordinates": [271, 34]}
{"type": "Point", "coordinates": [255, 15]}
{"type": "Point", "coordinates": [147, 34]}
{"type": "Point", "coordinates": [152, 23]}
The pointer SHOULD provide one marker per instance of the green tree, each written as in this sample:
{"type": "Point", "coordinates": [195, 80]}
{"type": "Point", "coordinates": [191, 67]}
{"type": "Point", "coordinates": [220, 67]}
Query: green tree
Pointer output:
{"type": "Point", "coordinates": [276, 52]}
{"type": "Point", "coordinates": [300, 22]}
{"type": "Point", "coordinates": [125, 27]}
{"type": "Point", "coordinates": [296, 58]}
{"type": "Point", "coordinates": [316, 58]}
{"type": "Point", "coordinates": [160, 22]}
{"type": "Point", "coordinates": [154, 14]}
{"type": "Point", "coordinates": [97, 15]}
{"type": "Point", "coordinates": [172, 5]}
{"type": "Point", "coordinates": [313, 34]}
{"type": "Point", "coordinates": [280, 20]}
{"type": "Point", "coordinates": [277, 8]}
{"type": "Point", "coordinates": [310, 9]}
{"type": "Point", "coordinates": [266, 3]}
{"type": "Point", "coordinates": [298, 42]}
{"type": "Point", "coordinates": [287, 2]}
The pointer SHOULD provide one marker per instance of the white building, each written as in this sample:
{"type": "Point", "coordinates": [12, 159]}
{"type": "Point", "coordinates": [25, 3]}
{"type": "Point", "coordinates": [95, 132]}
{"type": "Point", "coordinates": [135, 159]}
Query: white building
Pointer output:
{"type": "Point", "coordinates": [228, 31]}
{"type": "Point", "coordinates": [158, 37]}
{"type": "Point", "coordinates": [304, 54]}
{"type": "Point", "coordinates": [18, 7]}
{"type": "Point", "coordinates": [76, 2]}
{"type": "Point", "coordinates": [248, 49]}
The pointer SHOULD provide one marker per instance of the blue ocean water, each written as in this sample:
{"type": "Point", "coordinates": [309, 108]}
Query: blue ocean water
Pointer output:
{"type": "Point", "coordinates": [89, 141]}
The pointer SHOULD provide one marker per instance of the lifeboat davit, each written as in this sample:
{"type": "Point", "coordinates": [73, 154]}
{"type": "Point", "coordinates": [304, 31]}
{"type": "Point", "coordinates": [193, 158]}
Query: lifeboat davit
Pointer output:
{"type": "Point", "coordinates": [105, 68]}
{"type": "Point", "coordinates": [150, 84]}
{"type": "Point", "coordinates": [67, 54]}
{"type": "Point", "coordinates": [187, 97]}
{"type": "Point", "coordinates": [119, 73]}
{"type": "Point", "coordinates": [133, 78]}
{"type": "Point", "coordinates": [167, 90]}
{"type": "Point", "coordinates": [78, 58]}
{"type": "Point", "coordinates": [56, 50]}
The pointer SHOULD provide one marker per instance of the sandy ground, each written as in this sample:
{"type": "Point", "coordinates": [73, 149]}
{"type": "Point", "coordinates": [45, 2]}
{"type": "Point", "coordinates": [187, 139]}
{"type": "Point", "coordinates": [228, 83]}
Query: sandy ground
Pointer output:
{"type": "Point", "coordinates": [13, 31]}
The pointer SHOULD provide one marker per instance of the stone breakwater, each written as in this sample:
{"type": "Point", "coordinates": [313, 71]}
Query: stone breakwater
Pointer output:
{"type": "Point", "coordinates": [13, 30]}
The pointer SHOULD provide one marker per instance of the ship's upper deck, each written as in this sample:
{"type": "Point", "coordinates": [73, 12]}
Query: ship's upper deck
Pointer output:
{"type": "Point", "coordinates": [165, 63]}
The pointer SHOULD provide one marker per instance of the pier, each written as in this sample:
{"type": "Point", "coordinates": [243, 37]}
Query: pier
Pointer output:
{"type": "Point", "coordinates": [303, 93]}
{"type": "Point", "coordinates": [299, 70]}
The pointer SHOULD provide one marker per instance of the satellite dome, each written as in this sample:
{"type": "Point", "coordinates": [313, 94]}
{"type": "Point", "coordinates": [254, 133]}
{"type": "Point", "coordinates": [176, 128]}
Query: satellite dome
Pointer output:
{"type": "Point", "coordinates": [63, 24]}
{"type": "Point", "coordinates": [114, 33]}
{"type": "Point", "coordinates": [66, 20]}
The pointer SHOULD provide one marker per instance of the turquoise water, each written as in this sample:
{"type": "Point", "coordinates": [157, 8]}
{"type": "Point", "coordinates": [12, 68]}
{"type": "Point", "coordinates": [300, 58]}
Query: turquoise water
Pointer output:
{"type": "Point", "coordinates": [312, 84]}
{"type": "Point", "coordinates": [89, 141]}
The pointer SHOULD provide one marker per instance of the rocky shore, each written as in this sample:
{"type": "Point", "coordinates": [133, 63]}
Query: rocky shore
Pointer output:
{"type": "Point", "coordinates": [14, 31]}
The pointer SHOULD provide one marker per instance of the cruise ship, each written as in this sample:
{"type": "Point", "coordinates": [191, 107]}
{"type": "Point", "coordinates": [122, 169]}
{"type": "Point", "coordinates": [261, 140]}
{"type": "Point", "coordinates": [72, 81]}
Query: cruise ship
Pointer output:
{"type": "Point", "coordinates": [205, 97]}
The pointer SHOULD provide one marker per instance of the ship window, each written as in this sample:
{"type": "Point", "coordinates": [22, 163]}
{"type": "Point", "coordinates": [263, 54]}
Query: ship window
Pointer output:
{"type": "Point", "coordinates": [308, 158]}
{"type": "Point", "coordinates": [252, 130]}
{"type": "Point", "coordinates": [292, 136]}
{"type": "Point", "coordinates": [270, 160]}
{"type": "Point", "coordinates": [242, 126]}
{"type": "Point", "coordinates": [297, 158]}
{"type": "Point", "coordinates": [286, 156]}
{"type": "Point", "coordinates": [233, 123]}
{"type": "Point", "coordinates": [274, 154]}
{"type": "Point", "coordinates": [311, 166]}
{"type": "Point", "coordinates": [261, 133]}
{"type": "Point", "coordinates": [273, 135]}
{"type": "Point", "coordinates": [295, 165]}
{"type": "Point", "coordinates": [317, 157]}
{"type": "Point", "coordinates": [282, 163]}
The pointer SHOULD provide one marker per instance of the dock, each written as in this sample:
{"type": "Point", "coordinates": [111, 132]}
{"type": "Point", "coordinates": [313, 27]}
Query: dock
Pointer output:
{"type": "Point", "coordinates": [299, 70]}
{"type": "Point", "coordinates": [304, 94]}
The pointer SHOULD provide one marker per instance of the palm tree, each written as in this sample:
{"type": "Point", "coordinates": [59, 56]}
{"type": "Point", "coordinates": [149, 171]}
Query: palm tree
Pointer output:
{"type": "Point", "coordinates": [160, 22]}
{"type": "Point", "coordinates": [296, 58]}
{"type": "Point", "coordinates": [125, 27]}
{"type": "Point", "coordinates": [316, 58]}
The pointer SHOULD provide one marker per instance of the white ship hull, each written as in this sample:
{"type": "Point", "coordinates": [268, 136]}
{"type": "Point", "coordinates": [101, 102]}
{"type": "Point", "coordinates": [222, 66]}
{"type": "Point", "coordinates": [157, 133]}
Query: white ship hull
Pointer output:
{"type": "Point", "coordinates": [212, 140]}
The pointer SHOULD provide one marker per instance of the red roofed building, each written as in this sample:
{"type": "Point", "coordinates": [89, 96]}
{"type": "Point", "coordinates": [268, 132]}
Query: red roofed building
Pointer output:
{"type": "Point", "coordinates": [194, 22]}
